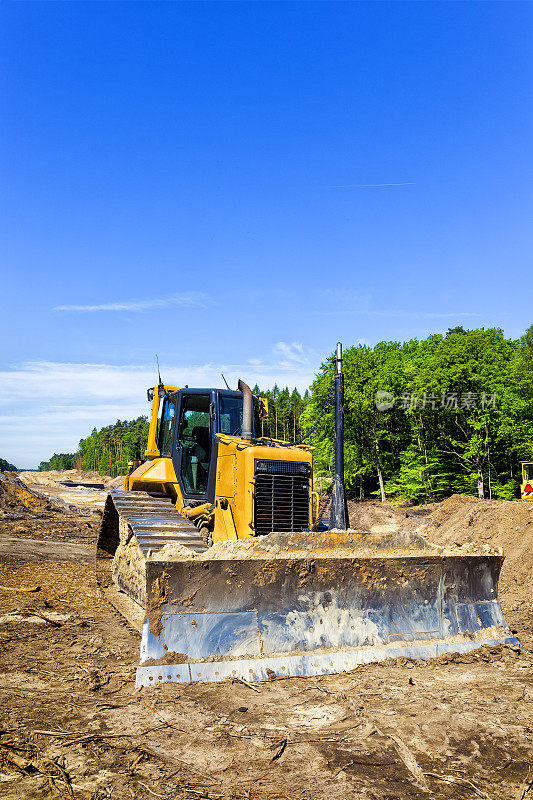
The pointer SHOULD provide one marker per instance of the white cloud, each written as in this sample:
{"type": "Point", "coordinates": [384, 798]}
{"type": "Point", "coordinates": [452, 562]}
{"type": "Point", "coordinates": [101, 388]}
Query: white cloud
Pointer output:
{"type": "Point", "coordinates": [294, 353]}
{"type": "Point", "coordinates": [187, 300]}
{"type": "Point", "coordinates": [47, 406]}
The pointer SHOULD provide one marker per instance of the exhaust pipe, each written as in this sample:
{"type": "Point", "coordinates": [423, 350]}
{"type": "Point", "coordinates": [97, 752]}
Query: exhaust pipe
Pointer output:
{"type": "Point", "coordinates": [247, 410]}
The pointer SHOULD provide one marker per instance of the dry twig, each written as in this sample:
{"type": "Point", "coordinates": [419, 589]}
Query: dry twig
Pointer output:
{"type": "Point", "coordinates": [349, 764]}
{"type": "Point", "coordinates": [94, 736]}
{"type": "Point", "coordinates": [149, 790]}
{"type": "Point", "coordinates": [281, 745]}
{"type": "Point", "coordinates": [21, 589]}
{"type": "Point", "coordinates": [459, 782]}
{"type": "Point", "coordinates": [525, 786]}
{"type": "Point", "coordinates": [245, 683]}
{"type": "Point", "coordinates": [64, 775]}
{"type": "Point", "coordinates": [137, 761]}
{"type": "Point", "coordinates": [53, 622]}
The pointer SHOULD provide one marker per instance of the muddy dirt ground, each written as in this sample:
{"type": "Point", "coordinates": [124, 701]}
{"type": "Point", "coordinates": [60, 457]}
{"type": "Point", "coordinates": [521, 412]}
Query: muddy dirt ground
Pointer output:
{"type": "Point", "coordinates": [72, 724]}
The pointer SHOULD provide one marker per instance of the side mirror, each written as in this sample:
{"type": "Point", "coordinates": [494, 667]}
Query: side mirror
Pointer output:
{"type": "Point", "coordinates": [150, 395]}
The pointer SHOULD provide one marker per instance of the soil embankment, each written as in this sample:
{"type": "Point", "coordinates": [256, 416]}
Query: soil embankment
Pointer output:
{"type": "Point", "coordinates": [27, 512]}
{"type": "Point", "coordinates": [53, 483]}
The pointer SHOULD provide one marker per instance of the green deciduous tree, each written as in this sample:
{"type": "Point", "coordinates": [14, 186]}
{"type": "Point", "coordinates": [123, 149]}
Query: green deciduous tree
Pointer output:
{"type": "Point", "coordinates": [427, 418]}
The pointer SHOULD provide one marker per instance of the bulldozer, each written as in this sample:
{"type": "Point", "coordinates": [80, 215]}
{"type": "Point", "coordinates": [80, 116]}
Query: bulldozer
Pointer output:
{"type": "Point", "coordinates": [216, 552]}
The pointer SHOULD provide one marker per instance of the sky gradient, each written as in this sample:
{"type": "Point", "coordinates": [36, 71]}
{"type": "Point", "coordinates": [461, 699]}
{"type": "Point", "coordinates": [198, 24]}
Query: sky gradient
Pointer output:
{"type": "Point", "coordinates": [237, 186]}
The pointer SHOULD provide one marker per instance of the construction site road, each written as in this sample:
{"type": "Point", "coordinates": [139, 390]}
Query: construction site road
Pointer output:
{"type": "Point", "coordinates": [46, 550]}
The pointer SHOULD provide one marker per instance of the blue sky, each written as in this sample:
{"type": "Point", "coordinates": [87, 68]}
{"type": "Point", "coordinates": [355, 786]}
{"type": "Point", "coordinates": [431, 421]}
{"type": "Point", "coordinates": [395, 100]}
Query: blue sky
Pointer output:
{"type": "Point", "coordinates": [236, 186]}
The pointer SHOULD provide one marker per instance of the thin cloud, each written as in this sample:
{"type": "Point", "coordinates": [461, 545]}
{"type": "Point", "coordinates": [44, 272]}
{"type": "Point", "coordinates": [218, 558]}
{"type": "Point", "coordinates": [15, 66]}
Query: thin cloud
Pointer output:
{"type": "Point", "coordinates": [294, 353]}
{"type": "Point", "coordinates": [416, 314]}
{"type": "Point", "coordinates": [361, 304]}
{"type": "Point", "coordinates": [187, 300]}
{"type": "Point", "coordinates": [370, 185]}
{"type": "Point", "coordinates": [437, 314]}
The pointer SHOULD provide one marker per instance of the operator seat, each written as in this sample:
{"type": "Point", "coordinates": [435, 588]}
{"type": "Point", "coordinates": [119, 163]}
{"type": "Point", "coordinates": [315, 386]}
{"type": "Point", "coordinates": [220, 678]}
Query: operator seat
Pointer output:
{"type": "Point", "coordinates": [201, 450]}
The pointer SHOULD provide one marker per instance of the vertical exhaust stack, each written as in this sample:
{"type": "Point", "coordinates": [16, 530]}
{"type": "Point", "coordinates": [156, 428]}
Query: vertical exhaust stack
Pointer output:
{"type": "Point", "coordinates": [247, 410]}
{"type": "Point", "coordinates": [339, 511]}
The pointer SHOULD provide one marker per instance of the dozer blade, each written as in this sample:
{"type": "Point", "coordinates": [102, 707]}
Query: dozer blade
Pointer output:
{"type": "Point", "coordinates": [311, 604]}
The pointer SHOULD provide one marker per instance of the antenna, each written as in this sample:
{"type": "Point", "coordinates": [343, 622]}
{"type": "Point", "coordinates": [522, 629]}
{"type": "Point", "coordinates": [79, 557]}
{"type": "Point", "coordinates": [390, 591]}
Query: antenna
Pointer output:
{"type": "Point", "coordinates": [158, 372]}
{"type": "Point", "coordinates": [225, 381]}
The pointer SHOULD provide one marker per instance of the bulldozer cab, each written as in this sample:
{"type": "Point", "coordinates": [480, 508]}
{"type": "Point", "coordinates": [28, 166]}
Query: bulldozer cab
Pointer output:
{"type": "Point", "coordinates": [189, 420]}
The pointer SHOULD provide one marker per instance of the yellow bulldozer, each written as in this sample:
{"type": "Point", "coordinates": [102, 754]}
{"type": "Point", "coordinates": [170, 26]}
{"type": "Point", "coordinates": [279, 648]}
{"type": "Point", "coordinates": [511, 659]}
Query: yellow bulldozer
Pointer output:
{"type": "Point", "coordinates": [216, 553]}
{"type": "Point", "coordinates": [212, 475]}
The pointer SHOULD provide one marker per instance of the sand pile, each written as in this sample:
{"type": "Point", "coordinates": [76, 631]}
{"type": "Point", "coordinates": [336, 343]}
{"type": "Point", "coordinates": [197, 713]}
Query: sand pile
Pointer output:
{"type": "Point", "coordinates": [373, 516]}
{"type": "Point", "coordinates": [332, 544]}
{"type": "Point", "coordinates": [80, 497]}
{"type": "Point", "coordinates": [16, 499]}
{"type": "Point", "coordinates": [55, 477]}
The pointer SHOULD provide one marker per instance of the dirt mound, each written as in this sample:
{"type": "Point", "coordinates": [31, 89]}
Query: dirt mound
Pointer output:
{"type": "Point", "coordinates": [54, 477]}
{"type": "Point", "coordinates": [52, 484]}
{"type": "Point", "coordinates": [375, 517]}
{"type": "Point", "coordinates": [17, 499]}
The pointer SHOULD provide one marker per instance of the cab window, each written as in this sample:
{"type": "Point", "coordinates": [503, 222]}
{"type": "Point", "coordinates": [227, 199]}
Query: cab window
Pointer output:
{"type": "Point", "coordinates": [195, 441]}
{"type": "Point", "coordinates": [166, 424]}
{"type": "Point", "coordinates": [230, 415]}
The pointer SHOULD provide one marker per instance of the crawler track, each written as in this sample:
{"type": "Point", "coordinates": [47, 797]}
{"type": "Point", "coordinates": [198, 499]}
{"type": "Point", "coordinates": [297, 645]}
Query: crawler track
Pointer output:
{"type": "Point", "coordinates": [154, 522]}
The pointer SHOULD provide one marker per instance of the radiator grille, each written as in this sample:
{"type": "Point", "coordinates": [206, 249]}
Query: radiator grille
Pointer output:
{"type": "Point", "coordinates": [282, 467]}
{"type": "Point", "coordinates": [281, 503]}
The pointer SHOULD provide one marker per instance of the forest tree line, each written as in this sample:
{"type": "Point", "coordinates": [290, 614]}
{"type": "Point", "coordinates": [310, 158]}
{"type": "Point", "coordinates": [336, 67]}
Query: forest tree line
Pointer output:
{"type": "Point", "coordinates": [106, 451]}
{"type": "Point", "coordinates": [423, 418]}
